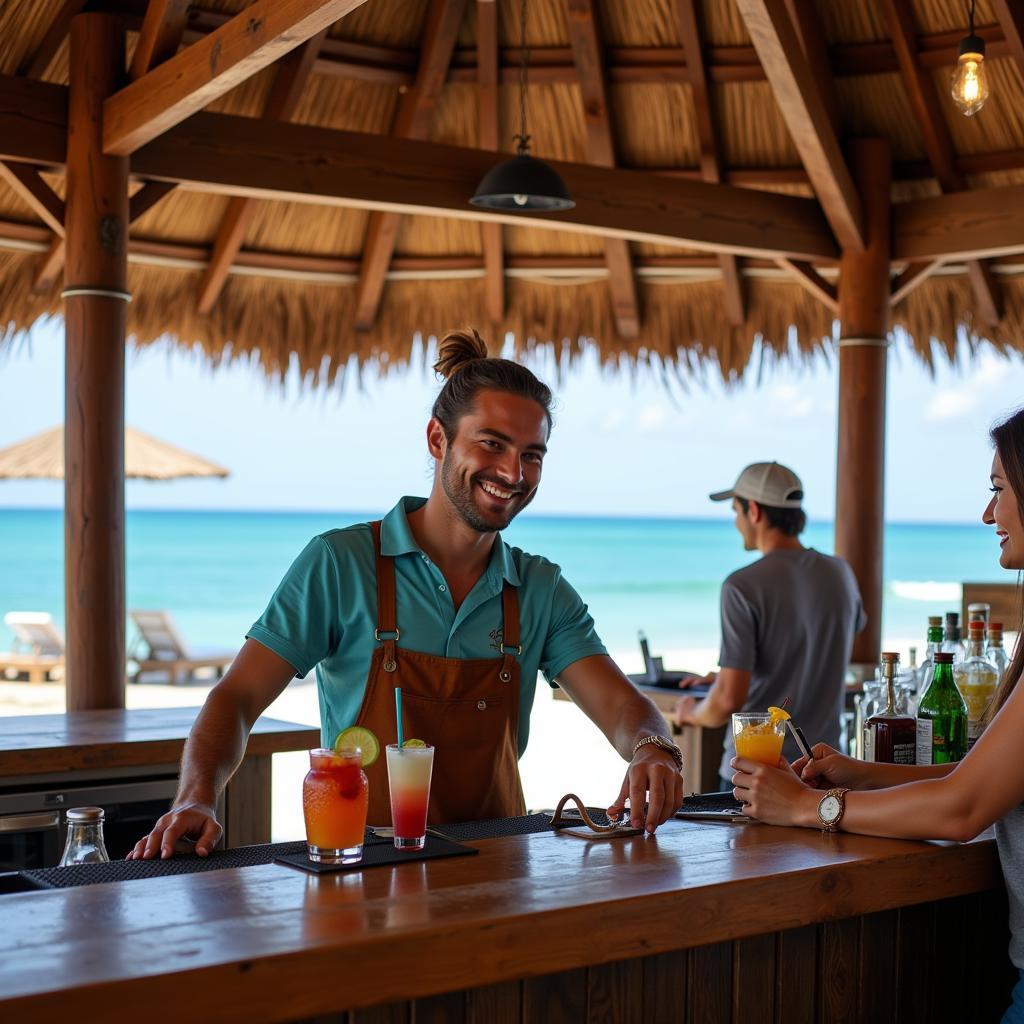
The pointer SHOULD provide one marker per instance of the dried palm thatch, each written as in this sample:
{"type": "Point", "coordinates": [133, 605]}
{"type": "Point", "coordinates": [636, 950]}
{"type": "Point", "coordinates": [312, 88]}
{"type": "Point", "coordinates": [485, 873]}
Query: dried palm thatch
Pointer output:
{"type": "Point", "coordinates": [277, 312]}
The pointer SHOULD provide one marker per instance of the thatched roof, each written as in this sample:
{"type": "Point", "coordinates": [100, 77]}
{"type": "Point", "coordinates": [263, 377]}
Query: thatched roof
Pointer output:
{"type": "Point", "coordinates": [293, 286]}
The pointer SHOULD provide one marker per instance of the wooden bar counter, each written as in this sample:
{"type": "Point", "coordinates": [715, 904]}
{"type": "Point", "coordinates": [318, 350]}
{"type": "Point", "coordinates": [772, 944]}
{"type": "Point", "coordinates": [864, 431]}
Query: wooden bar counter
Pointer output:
{"type": "Point", "coordinates": [705, 922]}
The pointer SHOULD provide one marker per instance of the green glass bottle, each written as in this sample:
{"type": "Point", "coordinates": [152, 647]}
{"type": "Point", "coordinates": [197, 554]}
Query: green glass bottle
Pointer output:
{"type": "Point", "coordinates": [941, 716]}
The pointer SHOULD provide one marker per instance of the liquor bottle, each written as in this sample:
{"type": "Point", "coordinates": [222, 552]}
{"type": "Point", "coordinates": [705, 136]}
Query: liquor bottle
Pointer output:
{"type": "Point", "coordinates": [952, 639]}
{"type": "Point", "coordinates": [995, 652]}
{"type": "Point", "coordinates": [979, 610]}
{"type": "Point", "coordinates": [924, 673]}
{"type": "Point", "coordinates": [941, 716]}
{"type": "Point", "coordinates": [976, 679]}
{"type": "Point", "coordinates": [889, 737]}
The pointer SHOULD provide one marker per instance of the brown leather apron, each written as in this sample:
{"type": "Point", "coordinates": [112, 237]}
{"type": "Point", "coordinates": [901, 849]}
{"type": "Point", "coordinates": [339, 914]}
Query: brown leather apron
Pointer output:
{"type": "Point", "coordinates": [467, 709]}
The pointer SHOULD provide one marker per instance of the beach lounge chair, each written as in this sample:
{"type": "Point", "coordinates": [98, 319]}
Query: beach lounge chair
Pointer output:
{"type": "Point", "coordinates": [160, 648]}
{"type": "Point", "coordinates": [38, 649]}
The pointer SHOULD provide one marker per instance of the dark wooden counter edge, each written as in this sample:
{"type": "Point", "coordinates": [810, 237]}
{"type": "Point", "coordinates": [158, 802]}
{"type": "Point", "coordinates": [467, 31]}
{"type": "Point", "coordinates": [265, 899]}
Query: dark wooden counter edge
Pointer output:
{"type": "Point", "coordinates": [269, 736]}
{"type": "Point", "coordinates": [471, 949]}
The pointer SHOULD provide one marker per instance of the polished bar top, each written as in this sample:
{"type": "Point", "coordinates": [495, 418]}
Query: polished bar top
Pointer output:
{"type": "Point", "coordinates": [273, 943]}
{"type": "Point", "coordinates": [33, 744]}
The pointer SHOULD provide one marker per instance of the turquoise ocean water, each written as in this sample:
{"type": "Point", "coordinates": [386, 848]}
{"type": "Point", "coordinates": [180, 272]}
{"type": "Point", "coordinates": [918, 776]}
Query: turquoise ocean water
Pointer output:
{"type": "Point", "coordinates": [215, 570]}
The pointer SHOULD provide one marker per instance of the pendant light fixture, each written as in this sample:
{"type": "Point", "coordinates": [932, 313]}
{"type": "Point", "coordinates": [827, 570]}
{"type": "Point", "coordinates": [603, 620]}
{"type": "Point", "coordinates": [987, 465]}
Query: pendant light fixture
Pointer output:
{"type": "Point", "coordinates": [970, 80]}
{"type": "Point", "coordinates": [522, 182]}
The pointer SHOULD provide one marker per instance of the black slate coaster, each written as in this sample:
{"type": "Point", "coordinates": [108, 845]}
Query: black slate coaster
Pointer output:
{"type": "Point", "coordinates": [379, 853]}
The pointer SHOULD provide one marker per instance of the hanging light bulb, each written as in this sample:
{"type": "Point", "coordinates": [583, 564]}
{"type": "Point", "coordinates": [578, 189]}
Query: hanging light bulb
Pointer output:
{"type": "Point", "coordinates": [970, 80]}
{"type": "Point", "coordinates": [523, 182]}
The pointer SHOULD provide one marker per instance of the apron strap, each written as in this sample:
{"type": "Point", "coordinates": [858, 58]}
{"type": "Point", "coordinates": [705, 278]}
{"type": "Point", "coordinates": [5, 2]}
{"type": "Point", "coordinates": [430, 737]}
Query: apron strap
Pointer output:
{"type": "Point", "coordinates": [387, 615]}
{"type": "Point", "coordinates": [510, 646]}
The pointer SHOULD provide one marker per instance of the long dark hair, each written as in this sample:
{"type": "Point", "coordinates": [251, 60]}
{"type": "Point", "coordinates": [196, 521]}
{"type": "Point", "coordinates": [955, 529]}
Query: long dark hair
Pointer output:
{"type": "Point", "coordinates": [1008, 438]}
{"type": "Point", "coordinates": [462, 359]}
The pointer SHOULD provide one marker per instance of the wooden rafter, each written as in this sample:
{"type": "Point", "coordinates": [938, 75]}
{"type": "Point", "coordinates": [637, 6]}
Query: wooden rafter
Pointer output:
{"type": "Point", "coordinates": [584, 35]}
{"type": "Point", "coordinates": [711, 158]}
{"type": "Point", "coordinates": [32, 190]}
{"type": "Point", "coordinates": [809, 279]}
{"type": "Point", "coordinates": [938, 141]}
{"type": "Point", "coordinates": [172, 91]}
{"type": "Point", "coordinates": [814, 45]}
{"type": "Point", "coordinates": [1011, 21]}
{"type": "Point", "coordinates": [293, 71]}
{"type": "Point", "coordinates": [413, 120]}
{"type": "Point", "coordinates": [912, 276]}
{"type": "Point", "coordinates": [801, 106]}
{"type": "Point", "coordinates": [160, 36]}
{"type": "Point", "coordinates": [38, 63]}
{"type": "Point", "coordinates": [488, 119]}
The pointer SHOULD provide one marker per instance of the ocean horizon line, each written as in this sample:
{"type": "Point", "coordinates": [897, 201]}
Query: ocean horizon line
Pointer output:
{"type": "Point", "coordinates": [543, 517]}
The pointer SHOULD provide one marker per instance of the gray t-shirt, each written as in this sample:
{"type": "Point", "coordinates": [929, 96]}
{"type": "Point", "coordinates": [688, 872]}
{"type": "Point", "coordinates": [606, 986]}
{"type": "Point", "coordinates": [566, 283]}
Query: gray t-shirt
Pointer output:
{"type": "Point", "coordinates": [789, 619]}
{"type": "Point", "coordinates": [1010, 843]}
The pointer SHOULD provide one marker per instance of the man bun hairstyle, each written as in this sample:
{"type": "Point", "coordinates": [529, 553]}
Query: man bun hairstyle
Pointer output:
{"type": "Point", "coordinates": [463, 361]}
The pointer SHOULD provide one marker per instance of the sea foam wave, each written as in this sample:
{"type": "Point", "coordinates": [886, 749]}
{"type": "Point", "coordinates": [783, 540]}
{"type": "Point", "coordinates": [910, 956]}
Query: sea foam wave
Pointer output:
{"type": "Point", "coordinates": [929, 590]}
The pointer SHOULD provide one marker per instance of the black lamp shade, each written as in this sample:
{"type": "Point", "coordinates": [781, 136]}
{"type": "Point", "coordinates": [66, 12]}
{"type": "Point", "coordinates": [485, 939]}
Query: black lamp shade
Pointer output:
{"type": "Point", "coordinates": [522, 183]}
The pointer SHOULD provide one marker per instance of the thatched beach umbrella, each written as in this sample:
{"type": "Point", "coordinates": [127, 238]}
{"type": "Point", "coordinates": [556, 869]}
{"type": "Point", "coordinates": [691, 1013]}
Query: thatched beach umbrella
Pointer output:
{"type": "Point", "coordinates": [145, 458]}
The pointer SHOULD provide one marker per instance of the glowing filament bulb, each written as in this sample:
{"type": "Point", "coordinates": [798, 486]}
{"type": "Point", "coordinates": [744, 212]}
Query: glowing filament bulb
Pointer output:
{"type": "Point", "coordinates": [970, 82]}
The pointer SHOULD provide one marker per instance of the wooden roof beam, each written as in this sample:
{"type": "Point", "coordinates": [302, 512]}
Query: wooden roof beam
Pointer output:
{"type": "Point", "coordinates": [293, 73]}
{"type": "Point", "coordinates": [810, 280]}
{"type": "Point", "coordinates": [171, 92]}
{"type": "Point", "coordinates": [1010, 15]}
{"type": "Point", "coordinates": [938, 142]}
{"type": "Point", "coordinates": [413, 120]}
{"type": "Point", "coordinates": [804, 112]}
{"type": "Point", "coordinates": [599, 143]}
{"type": "Point", "coordinates": [811, 34]}
{"type": "Point", "coordinates": [34, 191]}
{"type": "Point", "coordinates": [711, 158]}
{"type": "Point", "coordinates": [913, 275]}
{"type": "Point", "coordinates": [488, 119]}
{"type": "Point", "coordinates": [160, 35]}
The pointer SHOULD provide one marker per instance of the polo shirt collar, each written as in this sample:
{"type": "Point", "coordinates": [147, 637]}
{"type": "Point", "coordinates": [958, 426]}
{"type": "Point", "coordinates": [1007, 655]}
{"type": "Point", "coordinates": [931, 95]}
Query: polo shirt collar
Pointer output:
{"type": "Point", "coordinates": [396, 539]}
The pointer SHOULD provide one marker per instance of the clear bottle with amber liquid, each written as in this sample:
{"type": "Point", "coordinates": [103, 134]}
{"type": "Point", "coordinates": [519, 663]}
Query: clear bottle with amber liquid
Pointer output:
{"type": "Point", "coordinates": [889, 736]}
{"type": "Point", "coordinates": [995, 651]}
{"type": "Point", "coordinates": [976, 678]}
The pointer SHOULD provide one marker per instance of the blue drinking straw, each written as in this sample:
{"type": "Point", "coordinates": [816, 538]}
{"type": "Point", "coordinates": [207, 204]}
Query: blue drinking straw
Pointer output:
{"type": "Point", "coordinates": [398, 712]}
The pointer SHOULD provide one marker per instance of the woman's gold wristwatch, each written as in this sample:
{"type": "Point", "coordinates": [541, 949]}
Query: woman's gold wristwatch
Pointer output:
{"type": "Point", "coordinates": [831, 808]}
{"type": "Point", "coordinates": [664, 744]}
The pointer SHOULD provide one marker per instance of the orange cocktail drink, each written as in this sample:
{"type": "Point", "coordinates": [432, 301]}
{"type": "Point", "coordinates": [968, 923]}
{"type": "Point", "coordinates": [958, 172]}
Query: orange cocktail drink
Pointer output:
{"type": "Point", "coordinates": [759, 737]}
{"type": "Point", "coordinates": [334, 797]}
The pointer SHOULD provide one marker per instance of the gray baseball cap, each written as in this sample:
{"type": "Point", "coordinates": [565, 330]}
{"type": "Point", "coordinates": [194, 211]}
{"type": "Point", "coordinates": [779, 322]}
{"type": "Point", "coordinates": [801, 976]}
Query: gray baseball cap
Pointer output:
{"type": "Point", "coordinates": [767, 483]}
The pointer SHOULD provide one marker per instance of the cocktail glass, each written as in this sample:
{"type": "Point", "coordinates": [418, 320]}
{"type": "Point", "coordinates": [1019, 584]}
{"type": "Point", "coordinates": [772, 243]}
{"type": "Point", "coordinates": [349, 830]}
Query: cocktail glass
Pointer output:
{"type": "Point", "coordinates": [409, 780]}
{"type": "Point", "coordinates": [334, 798]}
{"type": "Point", "coordinates": [759, 737]}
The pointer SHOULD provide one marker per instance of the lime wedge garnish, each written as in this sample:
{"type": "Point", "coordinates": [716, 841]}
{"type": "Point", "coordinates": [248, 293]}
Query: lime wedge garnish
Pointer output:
{"type": "Point", "coordinates": [357, 736]}
{"type": "Point", "coordinates": [414, 743]}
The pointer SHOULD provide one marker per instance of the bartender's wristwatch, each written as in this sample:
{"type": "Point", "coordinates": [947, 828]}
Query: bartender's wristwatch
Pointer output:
{"type": "Point", "coordinates": [667, 745]}
{"type": "Point", "coordinates": [831, 808]}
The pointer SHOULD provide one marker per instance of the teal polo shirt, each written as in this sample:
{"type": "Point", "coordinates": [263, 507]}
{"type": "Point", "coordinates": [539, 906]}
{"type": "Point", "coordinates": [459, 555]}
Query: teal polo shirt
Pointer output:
{"type": "Point", "coordinates": [324, 613]}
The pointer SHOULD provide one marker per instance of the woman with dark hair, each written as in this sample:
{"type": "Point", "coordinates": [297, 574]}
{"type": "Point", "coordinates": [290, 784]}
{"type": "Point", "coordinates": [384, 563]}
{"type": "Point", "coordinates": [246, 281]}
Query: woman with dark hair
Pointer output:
{"type": "Point", "coordinates": [953, 801]}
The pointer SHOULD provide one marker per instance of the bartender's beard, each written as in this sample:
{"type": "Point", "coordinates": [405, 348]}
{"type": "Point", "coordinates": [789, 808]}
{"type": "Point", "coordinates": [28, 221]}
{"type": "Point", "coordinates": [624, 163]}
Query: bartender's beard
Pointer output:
{"type": "Point", "coordinates": [461, 490]}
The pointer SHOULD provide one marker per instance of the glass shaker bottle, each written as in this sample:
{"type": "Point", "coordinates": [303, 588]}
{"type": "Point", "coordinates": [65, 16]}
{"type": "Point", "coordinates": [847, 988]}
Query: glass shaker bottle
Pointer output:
{"type": "Point", "coordinates": [85, 837]}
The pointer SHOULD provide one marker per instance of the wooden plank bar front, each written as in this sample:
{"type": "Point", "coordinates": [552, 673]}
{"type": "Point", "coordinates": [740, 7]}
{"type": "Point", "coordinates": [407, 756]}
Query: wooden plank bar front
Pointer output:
{"type": "Point", "coordinates": [704, 922]}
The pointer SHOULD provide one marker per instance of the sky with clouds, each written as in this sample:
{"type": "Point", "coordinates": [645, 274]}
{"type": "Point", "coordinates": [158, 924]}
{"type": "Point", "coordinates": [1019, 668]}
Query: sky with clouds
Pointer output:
{"type": "Point", "coordinates": [626, 443]}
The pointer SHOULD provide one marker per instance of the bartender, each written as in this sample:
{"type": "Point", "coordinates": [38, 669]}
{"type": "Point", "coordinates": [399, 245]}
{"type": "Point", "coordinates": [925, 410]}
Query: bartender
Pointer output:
{"type": "Point", "coordinates": [431, 600]}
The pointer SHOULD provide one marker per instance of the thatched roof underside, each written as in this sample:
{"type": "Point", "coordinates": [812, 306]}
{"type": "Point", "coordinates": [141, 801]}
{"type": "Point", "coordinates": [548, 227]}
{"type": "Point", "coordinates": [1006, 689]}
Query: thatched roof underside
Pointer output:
{"type": "Point", "coordinates": [309, 314]}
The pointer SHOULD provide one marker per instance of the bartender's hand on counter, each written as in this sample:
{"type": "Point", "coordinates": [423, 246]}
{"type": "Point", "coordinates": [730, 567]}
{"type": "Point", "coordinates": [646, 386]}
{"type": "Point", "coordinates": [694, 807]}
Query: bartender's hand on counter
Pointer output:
{"type": "Point", "coordinates": [177, 831]}
{"type": "Point", "coordinates": [652, 777]}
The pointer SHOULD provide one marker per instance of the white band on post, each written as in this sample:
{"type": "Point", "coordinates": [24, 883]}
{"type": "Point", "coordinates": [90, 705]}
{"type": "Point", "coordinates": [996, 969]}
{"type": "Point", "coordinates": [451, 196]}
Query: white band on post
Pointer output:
{"type": "Point", "coordinates": [864, 342]}
{"type": "Point", "coordinates": [103, 293]}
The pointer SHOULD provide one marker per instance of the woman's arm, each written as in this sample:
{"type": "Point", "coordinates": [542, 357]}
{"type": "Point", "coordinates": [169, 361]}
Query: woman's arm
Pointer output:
{"type": "Point", "coordinates": [977, 792]}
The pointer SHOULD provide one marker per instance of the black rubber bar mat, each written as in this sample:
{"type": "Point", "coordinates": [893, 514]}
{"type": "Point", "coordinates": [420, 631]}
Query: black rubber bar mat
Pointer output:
{"type": "Point", "coordinates": [378, 854]}
{"type": "Point", "coordinates": [525, 825]}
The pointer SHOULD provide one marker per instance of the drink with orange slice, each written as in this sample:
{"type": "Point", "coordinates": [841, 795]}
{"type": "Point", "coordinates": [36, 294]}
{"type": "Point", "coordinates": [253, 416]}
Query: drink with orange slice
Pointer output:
{"type": "Point", "coordinates": [759, 736]}
{"type": "Point", "coordinates": [334, 799]}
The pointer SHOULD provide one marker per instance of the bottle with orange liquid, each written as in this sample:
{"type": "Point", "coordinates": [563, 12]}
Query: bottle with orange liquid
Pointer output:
{"type": "Point", "coordinates": [890, 737]}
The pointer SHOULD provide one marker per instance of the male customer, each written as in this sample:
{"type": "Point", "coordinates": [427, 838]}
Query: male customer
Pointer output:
{"type": "Point", "coordinates": [788, 619]}
{"type": "Point", "coordinates": [432, 601]}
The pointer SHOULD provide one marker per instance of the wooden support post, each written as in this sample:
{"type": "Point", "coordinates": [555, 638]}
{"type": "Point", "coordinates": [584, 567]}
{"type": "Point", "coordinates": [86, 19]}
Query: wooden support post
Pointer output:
{"type": "Point", "coordinates": [864, 324]}
{"type": "Point", "coordinates": [96, 283]}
